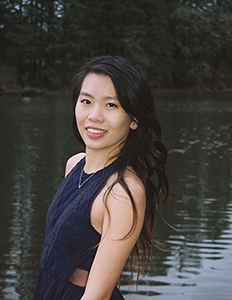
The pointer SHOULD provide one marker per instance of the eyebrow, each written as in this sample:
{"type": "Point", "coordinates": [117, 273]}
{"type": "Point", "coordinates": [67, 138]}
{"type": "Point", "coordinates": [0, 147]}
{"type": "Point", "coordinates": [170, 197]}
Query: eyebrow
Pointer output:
{"type": "Point", "coordinates": [107, 97]}
{"type": "Point", "coordinates": [85, 94]}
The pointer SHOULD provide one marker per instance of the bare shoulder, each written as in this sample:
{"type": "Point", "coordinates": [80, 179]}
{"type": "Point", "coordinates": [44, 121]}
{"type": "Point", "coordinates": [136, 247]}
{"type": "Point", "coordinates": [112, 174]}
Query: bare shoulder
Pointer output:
{"type": "Point", "coordinates": [134, 183]}
{"type": "Point", "coordinates": [119, 217]}
{"type": "Point", "coordinates": [72, 161]}
{"type": "Point", "coordinates": [135, 186]}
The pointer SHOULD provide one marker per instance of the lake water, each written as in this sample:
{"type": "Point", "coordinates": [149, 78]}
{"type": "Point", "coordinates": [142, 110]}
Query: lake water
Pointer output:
{"type": "Point", "coordinates": [36, 140]}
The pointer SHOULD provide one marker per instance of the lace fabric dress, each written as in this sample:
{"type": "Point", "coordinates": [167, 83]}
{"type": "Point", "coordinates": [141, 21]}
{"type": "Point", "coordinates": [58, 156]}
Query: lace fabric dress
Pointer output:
{"type": "Point", "coordinates": [70, 238]}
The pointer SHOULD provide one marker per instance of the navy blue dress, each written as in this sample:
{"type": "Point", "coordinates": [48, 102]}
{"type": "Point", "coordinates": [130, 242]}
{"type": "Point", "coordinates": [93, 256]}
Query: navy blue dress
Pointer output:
{"type": "Point", "coordinates": [70, 238]}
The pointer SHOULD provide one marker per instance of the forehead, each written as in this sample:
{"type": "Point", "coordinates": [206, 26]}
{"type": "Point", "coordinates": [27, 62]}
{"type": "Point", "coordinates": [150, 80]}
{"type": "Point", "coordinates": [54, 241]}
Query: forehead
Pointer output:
{"type": "Point", "coordinates": [98, 84]}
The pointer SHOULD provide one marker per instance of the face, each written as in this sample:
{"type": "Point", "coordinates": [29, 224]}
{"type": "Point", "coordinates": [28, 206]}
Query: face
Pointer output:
{"type": "Point", "coordinates": [101, 121]}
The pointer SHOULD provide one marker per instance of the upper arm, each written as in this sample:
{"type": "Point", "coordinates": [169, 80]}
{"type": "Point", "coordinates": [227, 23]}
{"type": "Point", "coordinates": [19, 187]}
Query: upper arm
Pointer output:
{"type": "Point", "coordinates": [115, 245]}
{"type": "Point", "coordinates": [72, 161]}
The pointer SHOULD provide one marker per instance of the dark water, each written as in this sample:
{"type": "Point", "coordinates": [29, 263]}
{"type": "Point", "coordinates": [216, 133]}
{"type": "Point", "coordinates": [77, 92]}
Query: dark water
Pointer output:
{"type": "Point", "coordinates": [36, 140]}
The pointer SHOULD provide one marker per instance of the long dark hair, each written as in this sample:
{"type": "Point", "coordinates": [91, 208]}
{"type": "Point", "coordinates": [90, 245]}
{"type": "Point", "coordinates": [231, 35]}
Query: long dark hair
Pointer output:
{"type": "Point", "coordinates": [143, 149]}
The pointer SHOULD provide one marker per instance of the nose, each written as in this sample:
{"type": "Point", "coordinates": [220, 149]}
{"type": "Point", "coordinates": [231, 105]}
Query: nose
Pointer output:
{"type": "Point", "coordinates": [96, 115]}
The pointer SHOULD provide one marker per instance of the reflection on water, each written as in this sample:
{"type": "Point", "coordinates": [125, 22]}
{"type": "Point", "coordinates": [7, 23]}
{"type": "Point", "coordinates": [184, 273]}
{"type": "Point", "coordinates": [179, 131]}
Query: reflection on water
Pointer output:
{"type": "Point", "coordinates": [36, 140]}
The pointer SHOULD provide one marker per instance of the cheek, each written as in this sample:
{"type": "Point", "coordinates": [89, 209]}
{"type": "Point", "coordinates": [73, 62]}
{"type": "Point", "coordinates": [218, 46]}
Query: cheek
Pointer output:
{"type": "Point", "coordinates": [77, 115]}
{"type": "Point", "coordinates": [123, 126]}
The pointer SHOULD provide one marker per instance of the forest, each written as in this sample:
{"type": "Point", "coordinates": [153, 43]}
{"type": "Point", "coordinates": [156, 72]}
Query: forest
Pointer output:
{"type": "Point", "coordinates": [178, 44]}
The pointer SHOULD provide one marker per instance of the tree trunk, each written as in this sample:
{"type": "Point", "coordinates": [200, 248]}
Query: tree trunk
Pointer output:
{"type": "Point", "coordinates": [19, 69]}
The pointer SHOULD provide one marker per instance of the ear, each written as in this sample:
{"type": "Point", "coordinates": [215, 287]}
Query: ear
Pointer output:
{"type": "Point", "coordinates": [134, 124]}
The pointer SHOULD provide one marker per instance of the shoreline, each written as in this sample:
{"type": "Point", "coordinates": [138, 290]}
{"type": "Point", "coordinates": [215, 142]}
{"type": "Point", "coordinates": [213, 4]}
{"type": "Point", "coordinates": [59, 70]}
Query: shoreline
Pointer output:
{"type": "Point", "coordinates": [35, 92]}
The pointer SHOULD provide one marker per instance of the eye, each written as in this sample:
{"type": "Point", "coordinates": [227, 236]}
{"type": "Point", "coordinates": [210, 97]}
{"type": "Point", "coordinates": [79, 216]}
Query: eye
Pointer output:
{"type": "Point", "coordinates": [111, 105]}
{"type": "Point", "coordinates": [85, 101]}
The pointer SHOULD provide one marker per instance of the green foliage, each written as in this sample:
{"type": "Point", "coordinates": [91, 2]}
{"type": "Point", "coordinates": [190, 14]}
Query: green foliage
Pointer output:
{"type": "Point", "coordinates": [148, 43]}
{"type": "Point", "coordinates": [202, 47]}
{"type": "Point", "coordinates": [176, 43]}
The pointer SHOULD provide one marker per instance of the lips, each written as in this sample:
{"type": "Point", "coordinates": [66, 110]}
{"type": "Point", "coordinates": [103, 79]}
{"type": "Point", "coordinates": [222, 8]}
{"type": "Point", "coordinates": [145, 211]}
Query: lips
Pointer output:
{"type": "Point", "coordinates": [95, 133]}
{"type": "Point", "coordinates": [92, 130]}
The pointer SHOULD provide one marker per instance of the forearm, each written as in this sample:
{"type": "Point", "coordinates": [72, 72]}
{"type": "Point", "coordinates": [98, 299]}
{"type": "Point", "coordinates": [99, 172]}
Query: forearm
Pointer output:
{"type": "Point", "coordinates": [88, 296]}
{"type": "Point", "coordinates": [104, 274]}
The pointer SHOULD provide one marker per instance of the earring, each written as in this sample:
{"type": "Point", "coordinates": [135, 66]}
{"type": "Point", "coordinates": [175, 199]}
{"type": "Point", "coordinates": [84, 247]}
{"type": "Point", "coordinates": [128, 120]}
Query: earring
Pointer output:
{"type": "Point", "coordinates": [134, 126]}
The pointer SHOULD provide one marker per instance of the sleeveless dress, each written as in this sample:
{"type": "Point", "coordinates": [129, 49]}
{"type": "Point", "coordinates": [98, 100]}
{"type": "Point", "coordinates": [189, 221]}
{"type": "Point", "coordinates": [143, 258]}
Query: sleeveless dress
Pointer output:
{"type": "Point", "coordinates": [70, 238]}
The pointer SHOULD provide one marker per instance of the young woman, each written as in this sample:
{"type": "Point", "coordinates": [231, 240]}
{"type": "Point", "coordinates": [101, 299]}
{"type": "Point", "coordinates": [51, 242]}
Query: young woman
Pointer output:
{"type": "Point", "coordinates": [105, 208]}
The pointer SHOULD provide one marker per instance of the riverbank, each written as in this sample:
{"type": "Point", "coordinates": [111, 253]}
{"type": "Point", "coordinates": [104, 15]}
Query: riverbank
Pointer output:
{"type": "Point", "coordinates": [33, 91]}
{"type": "Point", "coordinates": [10, 86]}
{"type": "Point", "coordinates": [65, 92]}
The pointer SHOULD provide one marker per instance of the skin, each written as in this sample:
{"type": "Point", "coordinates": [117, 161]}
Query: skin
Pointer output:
{"type": "Point", "coordinates": [103, 125]}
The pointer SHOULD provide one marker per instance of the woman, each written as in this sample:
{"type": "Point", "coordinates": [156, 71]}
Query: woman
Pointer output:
{"type": "Point", "coordinates": [105, 207]}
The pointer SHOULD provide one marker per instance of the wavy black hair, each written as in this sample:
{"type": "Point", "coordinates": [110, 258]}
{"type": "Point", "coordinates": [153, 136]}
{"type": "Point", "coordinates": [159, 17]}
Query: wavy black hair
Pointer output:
{"type": "Point", "coordinates": [143, 149]}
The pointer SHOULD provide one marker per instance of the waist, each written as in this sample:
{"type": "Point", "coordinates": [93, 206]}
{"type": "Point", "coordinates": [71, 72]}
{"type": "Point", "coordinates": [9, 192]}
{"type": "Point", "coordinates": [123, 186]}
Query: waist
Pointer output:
{"type": "Point", "coordinates": [79, 277]}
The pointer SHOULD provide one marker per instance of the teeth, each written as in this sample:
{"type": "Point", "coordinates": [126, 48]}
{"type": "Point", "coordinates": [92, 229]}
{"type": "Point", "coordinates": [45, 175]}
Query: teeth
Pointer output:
{"type": "Point", "coordinates": [95, 130]}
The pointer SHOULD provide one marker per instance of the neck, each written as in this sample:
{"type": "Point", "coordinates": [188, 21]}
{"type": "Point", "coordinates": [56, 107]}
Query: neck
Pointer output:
{"type": "Point", "coordinates": [95, 161]}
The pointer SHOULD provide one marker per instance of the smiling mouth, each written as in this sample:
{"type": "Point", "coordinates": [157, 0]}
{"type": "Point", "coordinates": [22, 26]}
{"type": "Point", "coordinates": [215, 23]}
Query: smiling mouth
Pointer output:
{"type": "Point", "coordinates": [95, 130]}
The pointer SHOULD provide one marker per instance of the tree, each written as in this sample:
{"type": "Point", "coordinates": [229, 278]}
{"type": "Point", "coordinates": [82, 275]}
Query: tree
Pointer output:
{"type": "Point", "coordinates": [175, 42]}
{"type": "Point", "coordinates": [202, 48]}
{"type": "Point", "coordinates": [147, 39]}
